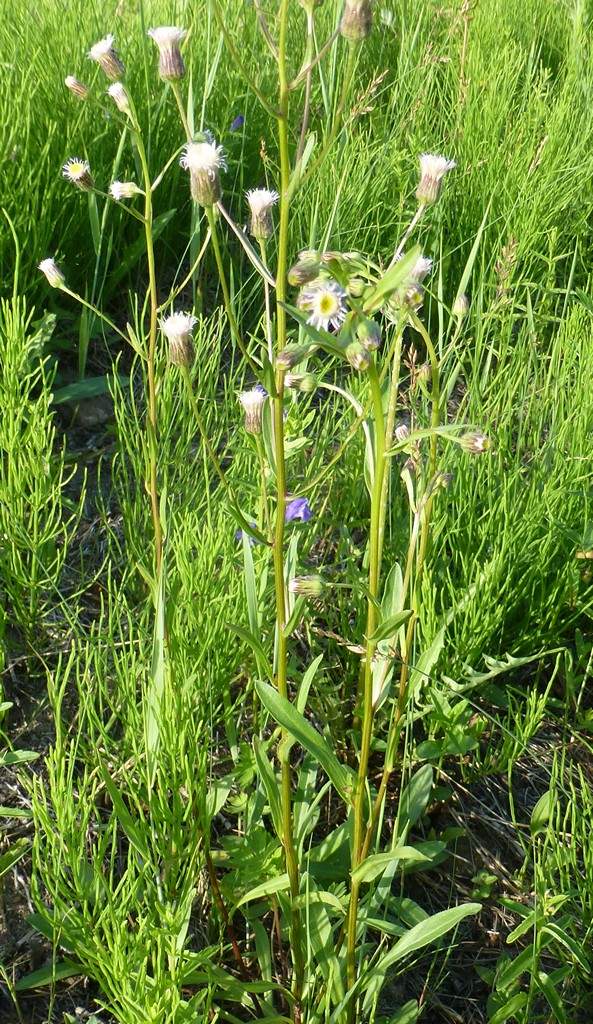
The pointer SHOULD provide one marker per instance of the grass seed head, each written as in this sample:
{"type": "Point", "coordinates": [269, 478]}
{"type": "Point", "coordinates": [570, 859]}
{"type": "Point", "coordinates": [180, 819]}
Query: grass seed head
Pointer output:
{"type": "Point", "coordinates": [168, 40]}
{"type": "Point", "coordinates": [106, 56]}
{"type": "Point", "coordinates": [178, 329]}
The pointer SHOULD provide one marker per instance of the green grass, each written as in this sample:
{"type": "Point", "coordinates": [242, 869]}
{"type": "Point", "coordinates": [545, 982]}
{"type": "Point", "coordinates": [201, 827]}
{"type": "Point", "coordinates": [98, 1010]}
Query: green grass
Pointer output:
{"type": "Point", "coordinates": [154, 783]}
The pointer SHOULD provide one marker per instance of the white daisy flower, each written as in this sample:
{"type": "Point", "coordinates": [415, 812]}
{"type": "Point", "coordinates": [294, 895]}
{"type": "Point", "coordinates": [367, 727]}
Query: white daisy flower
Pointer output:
{"type": "Point", "coordinates": [79, 173]}
{"type": "Point", "coordinates": [325, 303]}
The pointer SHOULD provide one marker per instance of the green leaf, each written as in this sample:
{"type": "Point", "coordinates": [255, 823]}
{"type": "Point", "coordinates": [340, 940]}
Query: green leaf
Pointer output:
{"type": "Point", "coordinates": [540, 814]}
{"type": "Point", "coordinates": [546, 987]}
{"type": "Point", "coordinates": [280, 883]}
{"type": "Point", "coordinates": [89, 388]}
{"type": "Point", "coordinates": [421, 671]}
{"type": "Point", "coordinates": [423, 854]}
{"type": "Point", "coordinates": [510, 1009]}
{"type": "Point", "coordinates": [256, 646]}
{"type": "Point", "coordinates": [428, 931]}
{"type": "Point", "coordinates": [289, 718]}
{"type": "Point", "coordinates": [48, 975]}
{"type": "Point", "coordinates": [416, 795]}
{"type": "Point", "coordinates": [271, 784]}
{"type": "Point", "coordinates": [390, 626]}
{"type": "Point", "coordinates": [14, 853]}
{"type": "Point", "coordinates": [17, 756]}
{"type": "Point", "coordinates": [392, 279]}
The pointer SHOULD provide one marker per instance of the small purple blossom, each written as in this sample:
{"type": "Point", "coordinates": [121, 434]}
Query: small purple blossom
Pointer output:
{"type": "Point", "coordinates": [237, 123]}
{"type": "Point", "coordinates": [298, 508]}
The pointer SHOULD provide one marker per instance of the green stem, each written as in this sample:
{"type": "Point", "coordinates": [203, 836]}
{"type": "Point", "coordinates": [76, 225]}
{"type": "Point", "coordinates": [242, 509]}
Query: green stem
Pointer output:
{"type": "Point", "coordinates": [153, 296]}
{"type": "Point", "coordinates": [237, 59]}
{"type": "Point", "coordinates": [389, 429]}
{"type": "Point", "coordinates": [97, 312]}
{"type": "Point", "coordinates": [367, 703]}
{"type": "Point", "coordinates": [264, 487]}
{"type": "Point", "coordinates": [421, 525]}
{"type": "Point", "coordinates": [205, 438]}
{"type": "Point", "coordinates": [435, 395]}
{"type": "Point", "coordinates": [406, 235]}
{"type": "Point", "coordinates": [337, 122]}
{"type": "Point", "coordinates": [177, 94]}
{"type": "Point", "coordinates": [269, 340]}
{"type": "Point", "coordinates": [292, 866]}
{"type": "Point", "coordinates": [225, 288]}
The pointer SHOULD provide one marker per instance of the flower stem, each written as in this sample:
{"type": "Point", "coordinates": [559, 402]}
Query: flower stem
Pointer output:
{"type": "Point", "coordinates": [205, 438]}
{"type": "Point", "coordinates": [151, 424]}
{"type": "Point", "coordinates": [292, 866]}
{"type": "Point", "coordinates": [367, 696]}
{"type": "Point", "coordinates": [177, 94]}
{"type": "Point", "coordinates": [225, 288]}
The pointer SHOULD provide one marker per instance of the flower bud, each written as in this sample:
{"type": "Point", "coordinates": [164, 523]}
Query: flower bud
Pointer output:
{"type": "Point", "coordinates": [77, 88]}
{"type": "Point", "coordinates": [124, 190]}
{"type": "Point", "coordinates": [401, 432]}
{"type": "Point", "coordinates": [107, 58]}
{"type": "Point", "coordinates": [120, 97]}
{"type": "Point", "coordinates": [357, 356]}
{"type": "Point", "coordinates": [475, 443]}
{"type": "Point", "coordinates": [357, 20]}
{"type": "Point", "coordinates": [253, 402]}
{"type": "Point", "coordinates": [424, 372]}
{"type": "Point", "coordinates": [168, 39]}
{"type": "Point", "coordinates": [308, 586]}
{"type": "Point", "coordinates": [356, 287]}
{"type": "Point", "coordinates": [291, 356]}
{"type": "Point", "coordinates": [203, 159]}
{"type": "Point", "coordinates": [432, 171]}
{"type": "Point", "coordinates": [369, 334]}
{"type": "Point", "coordinates": [52, 272]}
{"type": "Point", "coordinates": [461, 306]}
{"type": "Point", "coordinates": [261, 201]}
{"type": "Point", "coordinates": [305, 270]}
{"type": "Point", "coordinates": [305, 382]}
{"type": "Point", "coordinates": [178, 328]}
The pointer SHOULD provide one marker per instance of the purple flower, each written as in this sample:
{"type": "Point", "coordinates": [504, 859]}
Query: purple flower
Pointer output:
{"type": "Point", "coordinates": [298, 508]}
{"type": "Point", "coordinates": [237, 123]}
